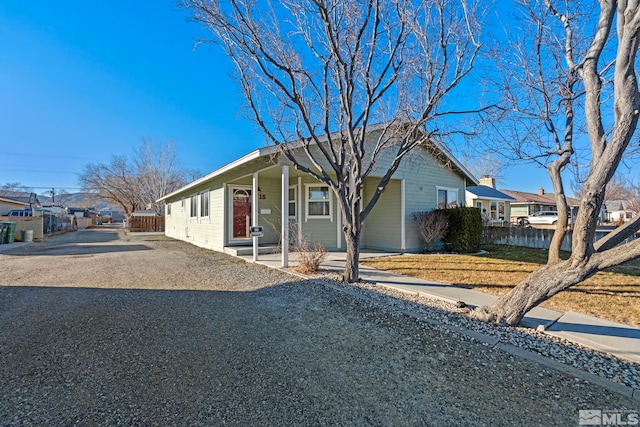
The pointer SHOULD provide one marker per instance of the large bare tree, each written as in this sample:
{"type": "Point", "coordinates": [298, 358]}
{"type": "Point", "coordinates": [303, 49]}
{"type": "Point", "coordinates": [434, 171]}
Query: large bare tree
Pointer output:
{"type": "Point", "coordinates": [575, 67]}
{"type": "Point", "coordinates": [13, 189]}
{"type": "Point", "coordinates": [327, 73]}
{"type": "Point", "coordinates": [137, 182]}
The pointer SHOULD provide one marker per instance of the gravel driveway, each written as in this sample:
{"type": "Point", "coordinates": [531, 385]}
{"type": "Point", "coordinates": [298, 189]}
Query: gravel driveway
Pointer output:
{"type": "Point", "coordinates": [101, 327]}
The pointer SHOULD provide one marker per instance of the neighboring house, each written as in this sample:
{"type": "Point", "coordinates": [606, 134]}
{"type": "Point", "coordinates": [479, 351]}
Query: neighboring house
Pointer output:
{"type": "Point", "coordinates": [526, 204]}
{"type": "Point", "coordinates": [216, 211]}
{"type": "Point", "coordinates": [494, 205]}
{"type": "Point", "coordinates": [8, 204]}
{"type": "Point", "coordinates": [618, 211]}
{"type": "Point", "coordinates": [33, 199]}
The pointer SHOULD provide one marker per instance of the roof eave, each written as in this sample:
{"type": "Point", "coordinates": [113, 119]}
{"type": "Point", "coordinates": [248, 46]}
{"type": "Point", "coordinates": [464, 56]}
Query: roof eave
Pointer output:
{"type": "Point", "coordinates": [229, 166]}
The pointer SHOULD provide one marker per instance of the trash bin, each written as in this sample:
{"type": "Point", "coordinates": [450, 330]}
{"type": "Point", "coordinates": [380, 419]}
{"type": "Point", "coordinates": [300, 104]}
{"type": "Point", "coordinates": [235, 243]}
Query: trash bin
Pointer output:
{"type": "Point", "coordinates": [11, 231]}
{"type": "Point", "coordinates": [26, 235]}
{"type": "Point", "coordinates": [3, 233]}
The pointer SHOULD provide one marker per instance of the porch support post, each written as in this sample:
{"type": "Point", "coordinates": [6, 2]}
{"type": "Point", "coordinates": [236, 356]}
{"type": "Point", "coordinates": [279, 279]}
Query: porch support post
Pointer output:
{"type": "Point", "coordinates": [285, 216]}
{"type": "Point", "coordinates": [299, 208]}
{"type": "Point", "coordinates": [403, 231]}
{"type": "Point", "coordinates": [254, 213]}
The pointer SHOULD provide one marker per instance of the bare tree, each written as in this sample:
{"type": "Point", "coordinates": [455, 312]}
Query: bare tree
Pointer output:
{"type": "Point", "coordinates": [115, 182]}
{"type": "Point", "coordinates": [564, 72]}
{"type": "Point", "coordinates": [158, 173]}
{"type": "Point", "coordinates": [324, 72]}
{"type": "Point", "coordinates": [14, 189]}
{"type": "Point", "coordinates": [137, 183]}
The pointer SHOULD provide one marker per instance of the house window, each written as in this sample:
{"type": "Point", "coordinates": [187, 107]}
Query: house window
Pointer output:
{"type": "Point", "coordinates": [204, 204]}
{"type": "Point", "coordinates": [494, 211]}
{"type": "Point", "coordinates": [194, 206]}
{"type": "Point", "coordinates": [293, 203]}
{"type": "Point", "coordinates": [182, 204]}
{"type": "Point", "coordinates": [168, 209]}
{"type": "Point", "coordinates": [318, 201]}
{"type": "Point", "coordinates": [447, 197]}
{"type": "Point", "coordinates": [497, 211]}
{"type": "Point", "coordinates": [479, 205]}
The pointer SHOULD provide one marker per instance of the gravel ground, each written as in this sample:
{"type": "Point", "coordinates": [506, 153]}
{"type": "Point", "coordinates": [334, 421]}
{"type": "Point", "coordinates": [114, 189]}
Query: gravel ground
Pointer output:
{"type": "Point", "coordinates": [104, 328]}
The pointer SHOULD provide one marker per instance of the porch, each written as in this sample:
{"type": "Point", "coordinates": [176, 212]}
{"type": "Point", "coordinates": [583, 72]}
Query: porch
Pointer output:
{"type": "Point", "coordinates": [333, 263]}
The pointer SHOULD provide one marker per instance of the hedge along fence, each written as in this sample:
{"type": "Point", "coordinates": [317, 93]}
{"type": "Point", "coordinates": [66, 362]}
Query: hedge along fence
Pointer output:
{"type": "Point", "coordinates": [528, 237]}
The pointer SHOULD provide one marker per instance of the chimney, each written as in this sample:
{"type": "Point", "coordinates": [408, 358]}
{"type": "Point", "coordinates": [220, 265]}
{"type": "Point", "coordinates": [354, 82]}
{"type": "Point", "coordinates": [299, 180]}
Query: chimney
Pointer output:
{"type": "Point", "coordinates": [540, 191]}
{"type": "Point", "coordinates": [488, 181]}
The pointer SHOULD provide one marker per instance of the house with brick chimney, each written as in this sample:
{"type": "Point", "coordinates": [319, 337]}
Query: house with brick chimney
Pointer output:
{"type": "Point", "coordinates": [494, 205]}
{"type": "Point", "coordinates": [525, 204]}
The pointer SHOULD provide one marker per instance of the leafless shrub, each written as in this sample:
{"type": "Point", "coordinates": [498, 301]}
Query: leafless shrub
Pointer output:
{"type": "Point", "coordinates": [310, 256]}
{"type": "Point", "coordinates": [431, 225]}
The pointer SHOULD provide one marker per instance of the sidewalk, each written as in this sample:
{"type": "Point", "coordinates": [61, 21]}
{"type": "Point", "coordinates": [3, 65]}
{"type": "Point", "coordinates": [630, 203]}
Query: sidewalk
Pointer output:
{"type": "Point", "coordinates": [620, 340]}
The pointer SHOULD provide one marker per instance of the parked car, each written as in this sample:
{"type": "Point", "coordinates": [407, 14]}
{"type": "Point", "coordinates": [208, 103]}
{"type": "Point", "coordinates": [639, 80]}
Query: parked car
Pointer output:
{"type": "Point", "coordinates": [545, 217]}
{"type": "Point", "coordinates": [29, 212]}
{"type": "Point", "coordinates": [20, 212]}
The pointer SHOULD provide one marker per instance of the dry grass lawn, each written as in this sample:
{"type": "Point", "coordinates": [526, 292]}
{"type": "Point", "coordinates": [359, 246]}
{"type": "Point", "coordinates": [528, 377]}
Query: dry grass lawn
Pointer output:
{"type": "Point", "coordinates": [613, 295]}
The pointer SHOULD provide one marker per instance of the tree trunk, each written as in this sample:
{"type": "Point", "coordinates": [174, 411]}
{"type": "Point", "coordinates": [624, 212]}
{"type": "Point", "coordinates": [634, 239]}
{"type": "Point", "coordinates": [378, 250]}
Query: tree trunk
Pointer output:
{"type": "Point", "coordinates": [541, 285]}
{"type": "Point", "coordinates": [352, 265]}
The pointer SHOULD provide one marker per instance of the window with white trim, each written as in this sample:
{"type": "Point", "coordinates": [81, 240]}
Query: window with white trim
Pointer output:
{"type": "Point", "coordinates": [168, 209]}
{"type": "Point", "coordinates": [182, 205]}
{"type": "Point", "coordinates": [447, 197]}
{"type": "Point", "coordinates": [494, 211]}
{"type": "Point", "coordinates": [193, 209]}
{"type": "Point", "coordinates": [498, 211]}
{"type": "Point", "coordinates": [319, 204]}
{"type": "Point", "coordinates": [204, 204]}
{"type": "Point", "coordinates": [293, 201]}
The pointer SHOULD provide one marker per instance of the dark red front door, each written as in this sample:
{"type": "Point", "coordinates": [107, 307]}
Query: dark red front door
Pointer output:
{"type": "Point", "coordinates": [241, 213]}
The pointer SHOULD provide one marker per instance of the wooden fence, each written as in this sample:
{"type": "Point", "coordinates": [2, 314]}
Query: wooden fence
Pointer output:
{"type": "Point", "coordinates": [146, 223]}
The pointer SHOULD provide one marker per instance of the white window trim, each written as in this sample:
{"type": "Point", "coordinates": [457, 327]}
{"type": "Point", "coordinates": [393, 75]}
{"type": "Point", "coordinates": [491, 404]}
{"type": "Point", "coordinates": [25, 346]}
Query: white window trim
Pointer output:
{"type": "Point", "coordinates": [182, 203]}
{"type": "Point", "coordinates": [294, 200]}
{"type": "Point", "coordinates": [306, 203]}
{"type": "Point", "coordinates": [167, 209]}
{"type": "Point", "coordinates": [448, 189]}
{"type": "Point", "coordinates": [200, 204]}
{"type": "Point", "coordinates": [191, 208]}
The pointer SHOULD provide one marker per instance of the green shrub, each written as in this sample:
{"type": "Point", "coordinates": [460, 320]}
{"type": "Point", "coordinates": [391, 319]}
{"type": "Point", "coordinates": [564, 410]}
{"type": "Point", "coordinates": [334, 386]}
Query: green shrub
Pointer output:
{"type": "Point", "coordinates": [464, 234]}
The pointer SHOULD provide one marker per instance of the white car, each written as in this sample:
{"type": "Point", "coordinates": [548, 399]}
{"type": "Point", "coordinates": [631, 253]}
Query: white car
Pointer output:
{"type": "Point", "coordinates": [546, 217]}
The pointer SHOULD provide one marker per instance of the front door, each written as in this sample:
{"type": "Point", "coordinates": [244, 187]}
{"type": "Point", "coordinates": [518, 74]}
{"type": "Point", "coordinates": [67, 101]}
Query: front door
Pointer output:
{"type": "Point", "coordinates": [241, 213]}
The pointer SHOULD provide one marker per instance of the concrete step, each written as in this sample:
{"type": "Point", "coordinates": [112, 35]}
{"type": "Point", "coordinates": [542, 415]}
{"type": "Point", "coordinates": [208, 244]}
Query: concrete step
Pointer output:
{"type": "Point", "coordinates": [248, 250]}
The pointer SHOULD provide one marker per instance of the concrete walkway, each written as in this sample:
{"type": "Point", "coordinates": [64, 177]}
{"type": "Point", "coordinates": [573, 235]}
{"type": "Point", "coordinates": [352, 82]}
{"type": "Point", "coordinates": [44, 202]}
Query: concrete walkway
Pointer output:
{"type": "Point", "coordinates": [620, 340]}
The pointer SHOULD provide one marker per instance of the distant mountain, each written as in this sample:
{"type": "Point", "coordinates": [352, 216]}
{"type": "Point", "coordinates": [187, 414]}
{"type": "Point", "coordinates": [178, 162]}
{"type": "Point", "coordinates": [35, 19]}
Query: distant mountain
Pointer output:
{"type": "Point", "coordinates": [78, 200]}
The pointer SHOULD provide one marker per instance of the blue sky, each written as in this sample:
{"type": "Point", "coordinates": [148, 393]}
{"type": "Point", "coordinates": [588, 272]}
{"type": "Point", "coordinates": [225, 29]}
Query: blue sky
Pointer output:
{"type": "Point", "coordinates": [81, 81]}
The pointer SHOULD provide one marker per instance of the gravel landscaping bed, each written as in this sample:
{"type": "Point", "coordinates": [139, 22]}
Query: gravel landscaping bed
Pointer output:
{"type": "Point", "coordinates": [606, 366]}
{"type": "Point", "coordinates": [149, 331]}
